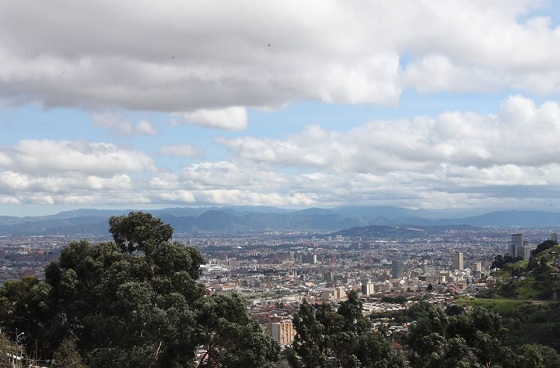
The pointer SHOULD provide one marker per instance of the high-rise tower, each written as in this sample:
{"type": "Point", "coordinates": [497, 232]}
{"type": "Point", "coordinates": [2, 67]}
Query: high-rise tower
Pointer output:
{"type": "Point", "coordinates": [397, 269]}
{"type": "Point", "coordinates": [516, 241]}
{"type": "Point", "coordinates": [458, 262]}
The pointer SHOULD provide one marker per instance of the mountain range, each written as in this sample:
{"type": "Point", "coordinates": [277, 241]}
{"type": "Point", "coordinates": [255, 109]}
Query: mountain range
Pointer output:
{"type": "Point", "coordinates": [258, 219]}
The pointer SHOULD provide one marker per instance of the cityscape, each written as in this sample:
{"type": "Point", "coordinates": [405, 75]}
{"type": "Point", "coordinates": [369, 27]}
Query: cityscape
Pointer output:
{"type": "Point", "coordinates": [303, 184]}
{"type": "Point", "coordinates": [276, 271]}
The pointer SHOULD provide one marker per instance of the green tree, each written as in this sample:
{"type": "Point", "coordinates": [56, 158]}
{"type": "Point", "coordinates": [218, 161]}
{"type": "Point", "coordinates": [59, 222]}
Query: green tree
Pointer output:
{"type": "Point", "coordinates": [134, 302]}
{"type": "Point", "coordinates": [339, 338]}
{"type": "Point", "coordinates": [468, 339]}
{"type": "Point", "coordinates": [25, 307]}
{"type": "Point", "coordinates": [139, 231]}
{"type": "Point", "coordinates": [231, 337]}
{"type": "Point", "coordinates": [66, 356]}
{"type": "Point", "coordinates": [7, 351]}
{"type": "Point", "coordinates": [547, 244]}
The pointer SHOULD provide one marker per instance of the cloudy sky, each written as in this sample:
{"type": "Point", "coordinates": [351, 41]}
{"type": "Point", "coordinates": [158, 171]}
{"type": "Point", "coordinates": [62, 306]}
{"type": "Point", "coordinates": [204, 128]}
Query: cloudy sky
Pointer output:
{"type": "Point", "coordinates": [143, 104]}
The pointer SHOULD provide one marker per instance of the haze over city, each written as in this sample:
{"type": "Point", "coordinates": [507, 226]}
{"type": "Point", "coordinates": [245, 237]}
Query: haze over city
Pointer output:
{"type": "Point", "coordinates": [427, 104]}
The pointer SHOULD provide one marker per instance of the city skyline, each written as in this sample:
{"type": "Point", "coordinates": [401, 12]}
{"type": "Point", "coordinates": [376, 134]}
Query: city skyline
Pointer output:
{"type": "Point", "coordinates": [321, 104]}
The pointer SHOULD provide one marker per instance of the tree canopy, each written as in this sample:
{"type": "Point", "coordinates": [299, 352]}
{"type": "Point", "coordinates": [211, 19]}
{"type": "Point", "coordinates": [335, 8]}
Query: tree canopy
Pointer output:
{"type": "Point", "coordinates": [470, 339]}
{"type": "Point", "coordinates": [339, 338]}
{"type": "Point", "coordinates": [134, 302]}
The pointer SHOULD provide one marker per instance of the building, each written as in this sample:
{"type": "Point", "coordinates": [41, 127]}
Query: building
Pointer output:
{"type": "Point", "coordinates": [282, 330]}
{"type": "Point", "coordinates": [458, 261]}
{"type": "Point", "coordinates": [367, 287]}
{"type": "Point", "coordinates": [554, 237]}
{"type": "Point", "coordinates": [516, 242]}
{"type": "Point", "coordinates": [524, 252]}
{"type": "Point", "coordinates": [340, 293]}
{"type": "Point", "coordinates": [476, 267]}
{"type": "Point", "coordinates": [428, 269]}
{"type": "Point", "coordinates": [397, 269]}
{"type": "Point", "coordinates": [309, 258]}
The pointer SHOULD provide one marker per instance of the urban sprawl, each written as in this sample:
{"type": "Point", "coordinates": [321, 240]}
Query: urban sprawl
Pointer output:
{"type": "Point", "coordinates": [275, 272]}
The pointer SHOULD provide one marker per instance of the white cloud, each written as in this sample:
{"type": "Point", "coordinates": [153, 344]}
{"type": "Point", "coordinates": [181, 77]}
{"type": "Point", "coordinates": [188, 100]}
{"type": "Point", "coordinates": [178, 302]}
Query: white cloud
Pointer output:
{"type": "Point", "coordinates": [521, 134]}
{"type": "Point", "coordinates": [184, 150]}
{"type": "Point", "coordinates": [231, 118]}
{"type": "Point", "coordinates": [179, 196]}
{"type": "Point", "coordinates": [12, 181]}
{"type": "Point", "coordinates": [120, 125]}
{"type": "Point", "coordinates": [259, 54]}
{"type": "Point", "coordinates": [224, 175]}
{"type": "Point", "coordinates": [50, 157]}
{"type": "Point", "coordinates": [454, 159]}
{"type": "Point", "coordinates": [145, 127]}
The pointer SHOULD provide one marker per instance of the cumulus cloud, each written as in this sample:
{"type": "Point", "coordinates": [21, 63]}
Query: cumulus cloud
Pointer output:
{"type": "Point", "coordinates": [46, 157]}
{"type": "Point", "coordinates": [422, 161]}
{"type": "Point", "coordinates": [199, 60]}
{"type": "Point", "coordinates": [520, 134]}
{"type": "Point", "coordinates": [120, 125]}
{"type": "Point", "coordinates": [453, 159]}
{"type": "Point", "coordinates": [231, 118]}
{"type": "Point", "coordinates": [71, 172]}
{"type": "Point", "coordinates": [183, 150]}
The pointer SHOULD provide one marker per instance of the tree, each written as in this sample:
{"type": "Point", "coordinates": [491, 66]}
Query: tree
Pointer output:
{"type": "Point", "coordinates": [339, 338]}
{"type": "Point", "coordinates": [547, 244]}
{"type": "Point", "coordinates": [139, 231]}
{"type": "Point", "coordinates": [468, 339]}
{"type": "Point", "coordinates": [8, 350]}
{"type": "Point", "coordinates": [535, 355]}
{"type": "Point", "coordinates": [134, 302]}
{"type": "Point", "coordinates": [309, 345]}
{"type": "Point", "coordinates": [25, 306]}
{"type": "Point", "coordinates": [66, 356]}
{"type": "Point", "coordinates": [231, 337]}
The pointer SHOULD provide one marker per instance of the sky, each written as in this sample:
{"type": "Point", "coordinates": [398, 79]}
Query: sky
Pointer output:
{"type": "Point", "coordinates": [140, 104]}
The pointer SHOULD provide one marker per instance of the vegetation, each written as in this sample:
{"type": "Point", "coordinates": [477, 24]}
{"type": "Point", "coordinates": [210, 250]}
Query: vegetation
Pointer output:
{"type": "Point", "coordinates": [134, 302]}
{"type": "Point", "coordinates": [527, 298]}
{"type": "Point", "coordinates": [470, 339]}
{"type": "Point", "coordinates": [7, 351]}
{"type": "Point", "coordinates": [339, 338]}
{"type": "Point", "coordinates": [535, 279]}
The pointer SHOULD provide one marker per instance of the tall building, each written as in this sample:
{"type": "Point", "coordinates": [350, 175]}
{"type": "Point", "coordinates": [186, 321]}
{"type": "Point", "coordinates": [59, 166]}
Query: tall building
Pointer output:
{"type": "Point", "coordinates": [282, 330]}
{"type": "Point", "coordinates": [516, 242]}
{"type": "Point", "coordinates": [367, 287]}
{"type": "Point", "coordinates": [477, 266]}
{"type": "Point", "coordinates": [524, 252]}
{"type": "Point", "coordinates": [339, 293]}
{"type": "Point", "coordinates": [458, 262]}
{"type": "Point", "coordinates": [397, 269]}
{"type": "Point", "coordinates": [309, 258]}
{"type": "Point", "coordinates": [554, 237]}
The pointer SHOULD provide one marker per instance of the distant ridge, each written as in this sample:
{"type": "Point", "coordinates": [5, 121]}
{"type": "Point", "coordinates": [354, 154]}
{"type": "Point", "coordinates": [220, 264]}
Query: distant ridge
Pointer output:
{"type": "Point", "coordinates": [241, 219]}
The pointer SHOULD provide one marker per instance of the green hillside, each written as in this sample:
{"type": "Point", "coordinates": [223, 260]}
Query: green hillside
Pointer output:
{"type": "Point", "coordinates": [527, 296]}
{"type": "Point", "coordinates": [534, 279]}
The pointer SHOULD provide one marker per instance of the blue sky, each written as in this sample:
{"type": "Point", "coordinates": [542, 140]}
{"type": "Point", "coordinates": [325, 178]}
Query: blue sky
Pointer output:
{"type": "Point", "coordinates": [138, 104]}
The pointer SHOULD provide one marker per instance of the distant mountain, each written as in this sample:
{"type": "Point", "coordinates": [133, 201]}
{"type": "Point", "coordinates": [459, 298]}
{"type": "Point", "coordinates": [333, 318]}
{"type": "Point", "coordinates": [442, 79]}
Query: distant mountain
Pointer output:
{"type": "Point", "coordinates": [377, 231]}
{"type": "Point", "coordinates": [236, 219]}
{"type": "Point", "coordinates": [508, 219]}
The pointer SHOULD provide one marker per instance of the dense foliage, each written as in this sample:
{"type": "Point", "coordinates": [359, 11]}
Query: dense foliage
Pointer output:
{"type": "Point", "coordinates": [339, 338]}
{"type": "Point", "coordinates": [470, 339]}
{"type": "Point", "coordinates": [134, 302]}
